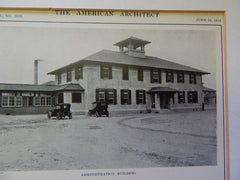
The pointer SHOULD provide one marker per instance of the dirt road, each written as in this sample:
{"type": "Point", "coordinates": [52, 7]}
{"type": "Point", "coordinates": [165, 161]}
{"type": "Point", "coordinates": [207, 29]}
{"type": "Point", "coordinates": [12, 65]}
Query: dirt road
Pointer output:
{"type": "Point", "coordinates": [31, 142]}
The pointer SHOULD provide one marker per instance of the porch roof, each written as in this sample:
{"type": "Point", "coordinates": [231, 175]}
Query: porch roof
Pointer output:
{"type": "Point", "coordinates": [161, 89]}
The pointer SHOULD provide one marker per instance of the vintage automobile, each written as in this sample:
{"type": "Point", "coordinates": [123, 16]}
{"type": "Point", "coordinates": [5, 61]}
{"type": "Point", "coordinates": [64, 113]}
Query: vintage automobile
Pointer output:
{"type": "Point", "coordinates": [100, 109]}
{"type": "Point", "coordinates": [60, 111]}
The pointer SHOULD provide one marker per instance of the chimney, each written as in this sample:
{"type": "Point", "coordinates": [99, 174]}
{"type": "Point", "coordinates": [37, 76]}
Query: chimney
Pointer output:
{"type": "Point", "coordinates": [36, 72]}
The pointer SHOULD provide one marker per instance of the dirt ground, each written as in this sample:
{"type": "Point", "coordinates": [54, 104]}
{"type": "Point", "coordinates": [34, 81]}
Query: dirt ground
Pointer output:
{"type": "Point", "coordinates": [32, 142]}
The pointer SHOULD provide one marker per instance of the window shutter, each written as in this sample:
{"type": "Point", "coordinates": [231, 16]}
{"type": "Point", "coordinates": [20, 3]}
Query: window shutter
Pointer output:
{"type": "Point", "coordinates": [115, 96]}
{"type": "Point", "coordinates": [122, 91]}
{"type": "Point", "coordinates": [130, 97]}
{"type": "Point", "coordinates": [97, 94]}
{"type": "Point", "coordinates": [183, 96]}
{"type": "Point", "coordinates": [110, 72]}
{"type": "Point", "coordinates": [137, 96]}
{"type": "Point", "coordinates": [106, 94]}
{"type": "Point", "coordinates": [196, 96]}
{"type": "Point", "coordinates": [144, 97]}
{"type": "Point", "coordinates": [151, 76]}
{"type": "Point", "coordinates": [101, 71]}
{"type": "Point", "coordinates": [159, 76]}
{"type": "Point", "coordinates": [173, 77]}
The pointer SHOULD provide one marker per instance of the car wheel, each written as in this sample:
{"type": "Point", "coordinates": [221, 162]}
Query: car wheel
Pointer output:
{"type": "Point", "coordinates": [70, 116]}
{"type": "Point", "coordinates": [97, 114]}
{"type": "Point", "coordinates": [58, 116]}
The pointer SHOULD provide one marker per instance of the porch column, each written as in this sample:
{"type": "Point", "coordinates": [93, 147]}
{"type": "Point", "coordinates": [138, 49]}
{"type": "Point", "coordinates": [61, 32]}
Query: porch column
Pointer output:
{"type": "Point", "coordinates": [157, 101]}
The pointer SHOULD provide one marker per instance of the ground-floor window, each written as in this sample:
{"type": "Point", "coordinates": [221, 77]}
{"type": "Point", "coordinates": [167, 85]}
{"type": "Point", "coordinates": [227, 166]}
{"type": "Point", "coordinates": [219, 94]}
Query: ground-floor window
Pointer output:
{"type": "Point", "coordinates": [37, 101]}
{"type": "Point", "coordinates": [43, 100]}
{"type": "Point", "coordinates": [181, 97]}
{"type": "Point", "coordinates": [49, 101]}
{"type": "Point", "coordinates": [60, 98]}
{"type": "Point", "coordinates": [5, 101]}
{"type": "Point", "coordinates": [140, 97]}
{"type": "Point", "coordinates": [11, 101]}
{"type": "Point", "coordinates": [76, 98]}
{"type": "Point", "coordinates": [125, 96]}
{"type": "Point", "coordinates": [192, 97]}
{"type": "Point", "coordinates": [18, 100]}
{"type": "Point", "coordinates": [108, 95]}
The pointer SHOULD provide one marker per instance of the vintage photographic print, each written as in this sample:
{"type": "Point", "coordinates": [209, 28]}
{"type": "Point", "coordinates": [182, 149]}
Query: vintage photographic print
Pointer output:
{"type": "Point", "coordinates": [89, 96]}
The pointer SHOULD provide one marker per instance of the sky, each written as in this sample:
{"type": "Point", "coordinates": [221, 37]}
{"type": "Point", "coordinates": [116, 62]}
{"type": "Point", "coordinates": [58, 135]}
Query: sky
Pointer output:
{"type": "Point", "coordinates": [57, 46]}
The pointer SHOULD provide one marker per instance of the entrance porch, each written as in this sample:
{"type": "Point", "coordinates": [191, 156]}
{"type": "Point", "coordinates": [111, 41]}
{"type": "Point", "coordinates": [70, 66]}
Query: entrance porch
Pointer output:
{"type": "Point", "coordinates": [161, 98]}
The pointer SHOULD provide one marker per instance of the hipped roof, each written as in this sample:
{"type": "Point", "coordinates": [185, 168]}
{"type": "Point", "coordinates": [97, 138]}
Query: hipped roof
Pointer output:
{"type": "Point", "coordinates": [121, 58]}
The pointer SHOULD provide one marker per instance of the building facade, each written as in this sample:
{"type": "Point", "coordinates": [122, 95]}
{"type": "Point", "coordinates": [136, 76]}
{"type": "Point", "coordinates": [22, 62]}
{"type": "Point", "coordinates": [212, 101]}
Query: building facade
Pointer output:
{"type": "Point", "coordinates": [128, 80]}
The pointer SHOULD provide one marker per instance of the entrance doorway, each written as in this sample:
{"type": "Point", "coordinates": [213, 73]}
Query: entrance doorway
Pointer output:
{"type": "Point", "coordinates": [164, 101]}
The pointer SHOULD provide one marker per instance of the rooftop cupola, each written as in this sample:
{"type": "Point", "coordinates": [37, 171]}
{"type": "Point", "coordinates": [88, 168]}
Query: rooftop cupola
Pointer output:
{"type": "Point", "coordinates": [133, 46]}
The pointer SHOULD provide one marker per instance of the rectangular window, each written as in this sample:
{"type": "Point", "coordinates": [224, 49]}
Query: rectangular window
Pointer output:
{"type": "Point", "coordinates": [4, 100]}
{"type": "Point", "coordinates": [140, 74]}
{"type": "Point", "coordinates": [11, 101]}
{"type": "Point", "coordinates": [125, 96]}
{"type": "Point", "coordinates": [60, 98]}
{"type": "Point", "coordinates": [108, 95]}
{"type": "Point", "coordinates": [106, 71]}
{"type": "Point", "coordinates": [78, 72]}
{"type": "Point", "coordinates": [69, 76]}
{"type": "Point", "coordinates": [192, 78]}
{"type": "Point", "coordinates": [100, 95]}
{"type": "Point", "coordinates": [140, 97]}
{"type": "Point", "coordinates": [169, 76]}
{"type": "Point", "coordinates": [59, 79]}
{"type": "Point", "coordinates": [37, 101]}
{"type": "Point", "coordinates": [112, 96]}
{"type": "Point", "coordinates": [18, 100]}
{"type": "Point", "coordinates": [181, 97]}
{"type": "Point", "coordinates": [192, 97]}
{"type": "Point", "coordinates": [43, 100]}
{"type": "Point", "coordinates": [125, 75]}
{"type": "Point", "coordinates": [30, 101]}
{"type": "Point", "coordinates": [76, 97]}
{"type": "Point", "coordinates": [180, 77]}
{"type": "Point", "coordinates": [156, 76]}
{"type": "Point", "coordinates": [49, 101]}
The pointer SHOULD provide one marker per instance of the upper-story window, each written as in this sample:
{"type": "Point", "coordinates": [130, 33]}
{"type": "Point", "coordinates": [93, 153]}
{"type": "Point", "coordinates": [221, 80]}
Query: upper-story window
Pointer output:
{"type": "Point", "coordinates": [106, 71]}
{"type": "Point", "coordinates": [180, 77]}
{"type": "Point", "coordinates": [156, 76]}
{"type": "Point", "coordinates": [59, 79]}
{"type": "Point", "coordinates": [78, 72]}
{"type": "Point", "coordinates": [169, 76]}
{"type": "Point", "coordinates": [125, 75]}
{"type": "Point", "coordinates": [69, 76]}
{"type": "Point", "coordinates": [192, 78]}
{"type": "Point", "coordinates": [140, 74]}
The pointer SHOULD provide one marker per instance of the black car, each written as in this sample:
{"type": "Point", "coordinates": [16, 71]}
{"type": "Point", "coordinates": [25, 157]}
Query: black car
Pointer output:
{"type": "Point", "coordinates": [100, 109]}
{"type": "Point", "coordinates": [60, 111]}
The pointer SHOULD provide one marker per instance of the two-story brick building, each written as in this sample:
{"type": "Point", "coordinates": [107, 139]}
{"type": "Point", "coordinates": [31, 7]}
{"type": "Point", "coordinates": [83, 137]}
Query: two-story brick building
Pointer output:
{"type": "Point", "coordinates": [128, 79]}
{"type": "Point", "coordinates": [131, 81]}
